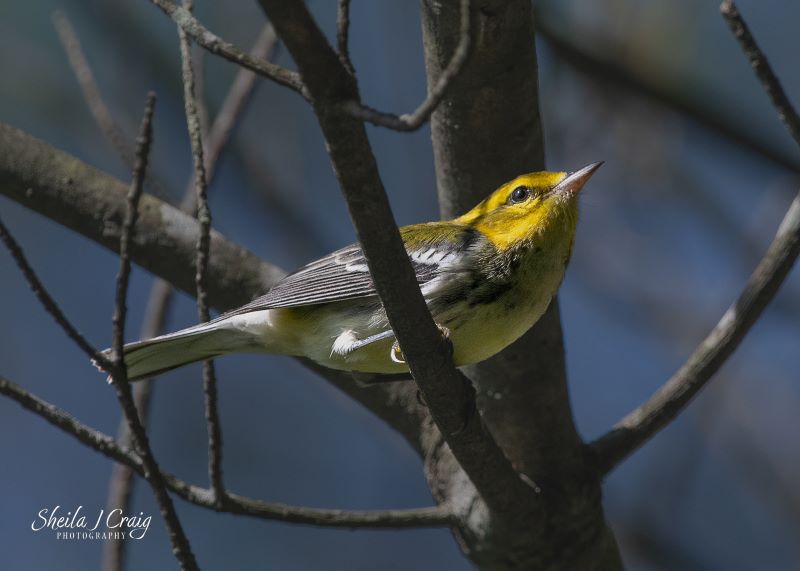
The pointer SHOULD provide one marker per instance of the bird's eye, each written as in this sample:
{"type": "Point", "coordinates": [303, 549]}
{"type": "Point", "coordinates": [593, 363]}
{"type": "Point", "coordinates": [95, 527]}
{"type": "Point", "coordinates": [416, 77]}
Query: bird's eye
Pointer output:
{"type": "Point", "coordinates": [520, 194]}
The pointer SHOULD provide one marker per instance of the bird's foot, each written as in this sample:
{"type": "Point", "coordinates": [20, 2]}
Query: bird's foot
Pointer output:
{"type": "Point", "coordinates": [396, 354]}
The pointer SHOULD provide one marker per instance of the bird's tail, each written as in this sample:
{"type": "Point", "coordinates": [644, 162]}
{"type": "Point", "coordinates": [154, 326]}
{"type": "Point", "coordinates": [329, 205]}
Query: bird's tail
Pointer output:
{"type": "Point", "coordinates": [199, 342]}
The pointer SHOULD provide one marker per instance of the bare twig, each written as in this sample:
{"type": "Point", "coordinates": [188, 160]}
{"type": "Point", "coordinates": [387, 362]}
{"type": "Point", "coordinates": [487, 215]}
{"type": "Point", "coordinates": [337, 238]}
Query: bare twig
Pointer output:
{"type": "Point", "coordinates": [342, 34]}
{"type": "Point", "coordinates": [761, 66]}
{"type": "Point", "coordinates": [203, 242]}
{"type": "Point", "coordinates": [216, 45]}
{"type": "Point", "coordinates": [120, 485]}
{"type": "Point", "coordinates": [46, 299]}
{"type": "Point", "coordinates": [413, 121]}
{"type": "Point", "coordinates": [644, 422]}
{"type": "Point", "coordinates": [229, 114]}
{"type": "Point", "coordinates": [439, 516]}
{"type": "Point", "coordinates": [143, 142]}
{"type": "Point", "coordinates": [180, 543]}
{"type": "Point", "coordinates": [94, 100]}
{"type": "Point", "coordinates": [406, 122]}
{"type": "Point", "coordinates": [609, 71]}
{"type": "Point", "coordinates": [102, 443]}
{"type": "Point", "coordinates": [121, 481]}
{"type": "Point", "coordinates": [91, 93]}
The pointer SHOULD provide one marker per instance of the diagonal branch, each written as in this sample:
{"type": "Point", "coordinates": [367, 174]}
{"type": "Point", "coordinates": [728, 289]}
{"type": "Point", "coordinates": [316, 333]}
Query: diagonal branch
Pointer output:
{"type": "Point", "coordinates": [216, 45]}
{"type": "Point", "coordinates": [605, 71]}
{"type": "Point", "coordinates": [47, 300]}
{"type": "Point", "coordinates": [448, 394]}
{"type": "Point", "coordinates": [91, 93]}
{"type": "Point", "coordinates": [94, 100]}
{"type": "Point", "coordinates": [644, 422]}
{"type": "Point", "coordinates": [232, 108]}
{"type": "Point", "coordinates": [439, 516]}
{"type": "Point", "coordinates": [413, 121]}
{"type": "Point", "coordinates": [354, 107]}
{"type": "Point", "coordinates": [762, 69]}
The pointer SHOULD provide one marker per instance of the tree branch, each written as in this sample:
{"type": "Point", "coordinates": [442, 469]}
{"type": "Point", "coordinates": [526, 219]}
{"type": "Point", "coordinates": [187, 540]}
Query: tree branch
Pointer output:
{"type": "Point", "coordinates": [91, 93]}
{"type": "Point", "coordinates": [607, 71]}
{"type": "Point", "coordinates": [216, 45]}
{"type": "Point", "coordinates": [342, 34]}
{"type": "Point", "coordinates": [448, 394]}
{"type": "Point", "coordinates": [762, 68]}
{"type": "Point", "coordinates": [439, 516]}
{"type": "Point", "coordinates": [413, 121]}
{"type": "Point", "coordinates": [90, 202]}
{"type": "Point", "coordinates": [660, 409]}
{"type": "Point", "coordinates": [644, 422]}
{"type": "Point", "coordinates": [406, 122]}
{"type": "Point", "coordinates": [94, 100]}
{"type": "Point", "coordinates": [230, 112]}
{"type": "Point", "coordinates": [119, 375]}
{"type": "Point", "coordinates": [116, 368]}
{"type": "Point", "coordinates": [47, 300]}
{"type": "Point", "coordinates": [159, 300]}
{"type": "Point", "coordinates": [203, 242]}
{"type": "Point", "coordinates": [120, 483]}
{"type": "Point", "coordinates": [522, 391]}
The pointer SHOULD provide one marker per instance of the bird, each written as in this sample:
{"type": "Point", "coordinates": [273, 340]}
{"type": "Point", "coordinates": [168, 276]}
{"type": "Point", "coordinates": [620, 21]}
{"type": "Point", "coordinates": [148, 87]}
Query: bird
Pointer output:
{"type": "Point", "coordinates": [487, 277]}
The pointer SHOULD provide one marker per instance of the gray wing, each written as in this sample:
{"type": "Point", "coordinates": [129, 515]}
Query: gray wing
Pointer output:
{"type": "Point", "coordinates": [344, 275]}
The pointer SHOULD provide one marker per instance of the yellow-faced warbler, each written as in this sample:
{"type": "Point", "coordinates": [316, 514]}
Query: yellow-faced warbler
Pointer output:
{"type": "Point", "coordinates": [487, 277]}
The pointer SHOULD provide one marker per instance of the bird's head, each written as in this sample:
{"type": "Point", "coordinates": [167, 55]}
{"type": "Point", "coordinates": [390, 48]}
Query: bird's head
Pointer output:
{"type": "Point", "coordinates": [529, 206]}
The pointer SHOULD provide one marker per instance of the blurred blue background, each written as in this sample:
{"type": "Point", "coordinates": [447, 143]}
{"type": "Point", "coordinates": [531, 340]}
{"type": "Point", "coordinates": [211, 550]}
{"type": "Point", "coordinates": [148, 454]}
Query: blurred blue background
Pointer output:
{"type": "Point", "coordinates": [671, 227]}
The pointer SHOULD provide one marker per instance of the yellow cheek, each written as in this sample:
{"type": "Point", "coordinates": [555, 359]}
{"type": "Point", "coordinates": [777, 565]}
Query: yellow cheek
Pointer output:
{"type": "Point", "coordinates": [507, 231]}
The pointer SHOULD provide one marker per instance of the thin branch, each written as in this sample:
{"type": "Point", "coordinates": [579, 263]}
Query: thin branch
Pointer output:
{"type": "Point", "coordinates": [227, 118]}
{"type": "Point", "coordinates": [93, 98]}
{"type": "Point", "coordinates": [449, 395]}
{"type": "Point", "coordinates": [413, 121]}
{"type": "Point", "coordinates": [644, 422]}
{"type": "Point", "coordinates": [47, 300]}
{"type": "Point", "coordinates": [120, 484]}
{"type": "Point", "coordinates": [198, 71]}
{"type": "Point", "coordinates": [121, 481]}
{"type": "Point", "coordinates": [143, 143]}
{"type": "Point", "coordinates": [102, 443]}
{"type": "Point", "coordinates": [660, 409]}
{"type": "Point", "coordinates": [216, 45]}
{"type": "Point", "coordinates": [609, 71]}
{"type": "Point", "coordinates": [91, 93]}
{"type": "Point", "coordinates": [406, 122]}
{"type": "Point", "coordinates": [439, 516]}
{"type": "Point", "coordinates": [203, 242]}
{"type": "Point", "coordinates": [762, 69]}
{"type": "Point", "coordinates": [180, 543]}
{"type": "Point", "coordinates": [343, 33]}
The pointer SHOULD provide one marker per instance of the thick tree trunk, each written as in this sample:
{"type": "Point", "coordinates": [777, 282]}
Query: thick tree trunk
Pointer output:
{"type": "Point", "coordinates": [487, 130]}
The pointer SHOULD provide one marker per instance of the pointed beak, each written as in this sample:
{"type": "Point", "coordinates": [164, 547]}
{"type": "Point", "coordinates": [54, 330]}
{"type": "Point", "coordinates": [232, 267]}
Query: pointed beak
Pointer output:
{"type": "Point", "coordinates": [573, 182]}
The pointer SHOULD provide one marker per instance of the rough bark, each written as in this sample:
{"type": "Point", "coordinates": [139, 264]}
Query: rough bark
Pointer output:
{"type": "Point", "coordinates": [488, 130]}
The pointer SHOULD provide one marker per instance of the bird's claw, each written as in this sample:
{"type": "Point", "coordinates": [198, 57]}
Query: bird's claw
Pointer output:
{"type": "Point", "coordinates": [396, 354]}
